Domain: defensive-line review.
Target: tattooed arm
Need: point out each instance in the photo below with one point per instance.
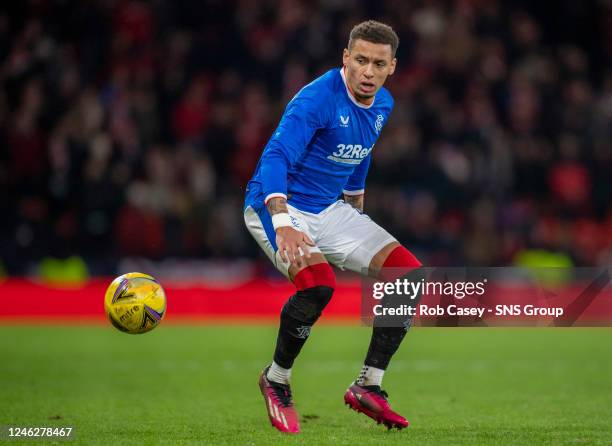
(355, 200)
(277, 205)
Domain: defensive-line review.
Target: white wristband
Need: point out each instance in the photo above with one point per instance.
(280, 220)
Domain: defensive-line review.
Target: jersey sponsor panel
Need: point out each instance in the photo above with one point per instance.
(350, 153)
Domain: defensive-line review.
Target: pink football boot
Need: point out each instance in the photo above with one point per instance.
(279, 403)
(372, 401)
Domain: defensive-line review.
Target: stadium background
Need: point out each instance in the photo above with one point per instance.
(128, 130)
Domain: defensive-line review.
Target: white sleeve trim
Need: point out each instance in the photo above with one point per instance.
(353, 192)
(274, 195)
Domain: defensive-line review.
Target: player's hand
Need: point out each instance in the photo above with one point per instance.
(290, 241)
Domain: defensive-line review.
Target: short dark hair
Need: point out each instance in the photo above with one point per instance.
(374, 32)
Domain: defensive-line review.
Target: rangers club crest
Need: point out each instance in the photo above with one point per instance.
(303, 332)
(379, 123)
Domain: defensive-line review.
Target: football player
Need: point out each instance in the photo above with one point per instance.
(321, 150)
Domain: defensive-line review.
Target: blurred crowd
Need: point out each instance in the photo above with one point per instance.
(130, 128)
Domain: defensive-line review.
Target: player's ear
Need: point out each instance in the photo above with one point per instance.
(345, 56)
(392, 66)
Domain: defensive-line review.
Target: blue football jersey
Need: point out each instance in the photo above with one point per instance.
(322, 146)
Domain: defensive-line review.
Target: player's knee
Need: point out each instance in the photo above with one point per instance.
(400, 262)
(319, 274)
(403, 265)
(315, 286)
(400, 257)
(307, 305)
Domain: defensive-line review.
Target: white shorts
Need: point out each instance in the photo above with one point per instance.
(347, 238)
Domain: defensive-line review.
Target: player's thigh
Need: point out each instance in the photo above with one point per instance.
(351, 239)
(380, 257)
(259, 224)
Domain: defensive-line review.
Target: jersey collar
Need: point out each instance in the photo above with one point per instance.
(349, 94)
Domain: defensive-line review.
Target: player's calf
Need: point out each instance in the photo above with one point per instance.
(315, 287)
(388, 332)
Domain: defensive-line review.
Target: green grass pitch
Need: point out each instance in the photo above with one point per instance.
(198, 385)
